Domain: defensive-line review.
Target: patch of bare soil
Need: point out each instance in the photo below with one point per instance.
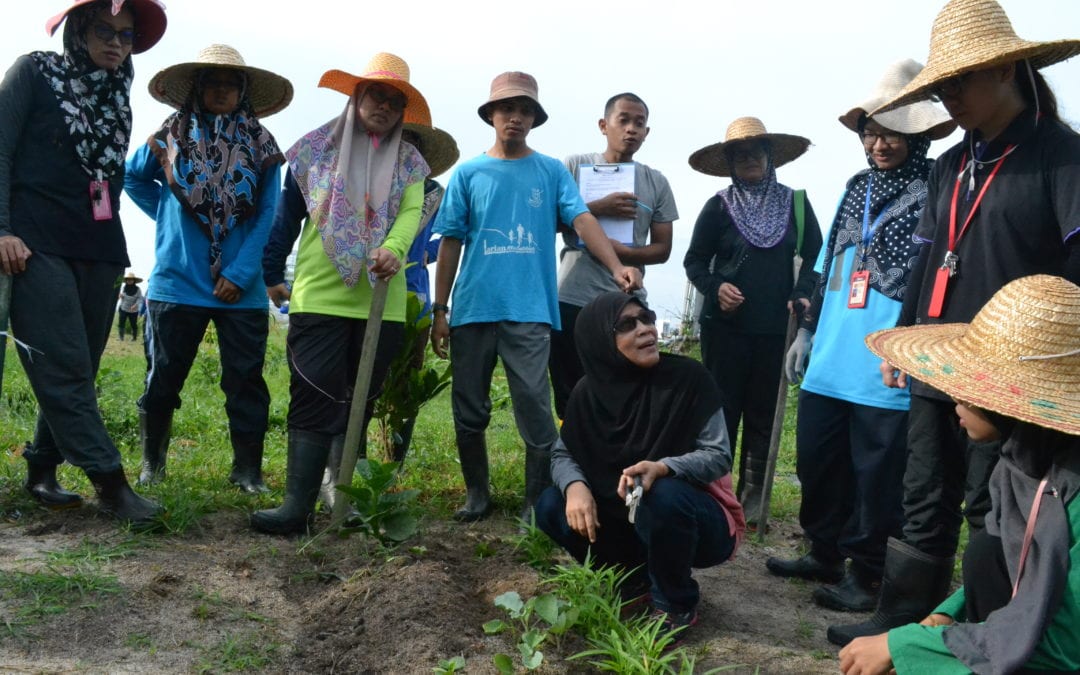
(222, 597)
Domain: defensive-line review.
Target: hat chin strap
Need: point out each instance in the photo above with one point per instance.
(1047, 357)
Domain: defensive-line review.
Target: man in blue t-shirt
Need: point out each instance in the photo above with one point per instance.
(503, 206)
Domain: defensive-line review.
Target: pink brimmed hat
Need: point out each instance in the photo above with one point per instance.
(150, 20)
(388, 69)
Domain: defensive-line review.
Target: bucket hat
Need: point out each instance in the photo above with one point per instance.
(438, 148)
(389, 69)
(513, 84)
(712, 160)
(919, 118)
(973, 35)
(150, 21)
(1019, 356)
(267, 91)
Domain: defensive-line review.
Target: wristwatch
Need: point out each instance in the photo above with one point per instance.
(438, 307)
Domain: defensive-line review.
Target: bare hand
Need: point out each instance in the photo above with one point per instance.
(581, 512)
(937, 620)
(866, 656)
(804, 304)
(278, 294)
(440, 335)
(730, 297)
(891, 376)
(615, 205)
(649, 472)
(384, 264)
(226, 291)
(628, 278)
(13, 255)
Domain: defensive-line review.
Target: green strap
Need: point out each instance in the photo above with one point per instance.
(800, 218)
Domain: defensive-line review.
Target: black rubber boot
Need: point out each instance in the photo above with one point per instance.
(913, 585)
(155, 429)
(246, 471)
(537, 479)
(810, 566)
(42, 485)
(118, 500)
(753, 486)
(306, 463)
(472, 451)
(857, 591)
(401, 441)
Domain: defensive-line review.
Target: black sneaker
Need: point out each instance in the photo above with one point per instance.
(679, 622)
(807, 567)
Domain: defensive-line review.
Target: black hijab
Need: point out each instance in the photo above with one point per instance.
(620, 414)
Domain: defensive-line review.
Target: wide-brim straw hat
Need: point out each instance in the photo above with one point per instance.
(130, 276)
(390, 70)
(514, 84)
(1019, 356)
(150, 21)
(439, 148)
(713, 161)
(920, 118)
(973, 35)
(267, 91)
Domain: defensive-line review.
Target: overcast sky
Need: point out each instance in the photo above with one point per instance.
(797, 65)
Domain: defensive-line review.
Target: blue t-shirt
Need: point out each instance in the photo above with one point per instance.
(505, 212)
(841, 366)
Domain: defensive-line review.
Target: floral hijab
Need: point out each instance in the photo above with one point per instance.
(94, 102)
(353, 183)
(761, 211)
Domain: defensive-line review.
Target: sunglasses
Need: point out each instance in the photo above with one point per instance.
(107, 33)
(627, 324)
(392, 97)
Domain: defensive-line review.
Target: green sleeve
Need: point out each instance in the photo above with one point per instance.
(917, 649)
(953, 606)
(401, 235)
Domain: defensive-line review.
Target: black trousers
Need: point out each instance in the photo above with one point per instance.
(131, 320)
(563, 361)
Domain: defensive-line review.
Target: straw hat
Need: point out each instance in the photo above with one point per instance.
(439, 148)
(268, 92)
(1019, 356)
(973, 35)
(150, 21)
(390, 70)
(512, 85)
(130, 276)
(711, 159)
(922, 117)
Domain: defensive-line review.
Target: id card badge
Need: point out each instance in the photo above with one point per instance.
(860, 283)
(937, 297)
(100, 202)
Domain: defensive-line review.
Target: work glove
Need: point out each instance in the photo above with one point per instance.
(795, 361)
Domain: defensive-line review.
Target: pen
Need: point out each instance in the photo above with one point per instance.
(644, 206)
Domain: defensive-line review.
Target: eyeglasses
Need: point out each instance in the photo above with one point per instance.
(107, 33)
(627, 324)
(951, 88)
(387, 95)
(870, 138)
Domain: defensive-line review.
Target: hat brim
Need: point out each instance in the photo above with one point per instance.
(712, 161)
(268, 92)
(440, 150)
(416, 106)
(541, 114)
(939, 356)
(150, 22)
(137, 280)
(934, 125)
(985, 55)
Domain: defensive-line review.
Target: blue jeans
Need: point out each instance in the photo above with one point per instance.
(678, 527)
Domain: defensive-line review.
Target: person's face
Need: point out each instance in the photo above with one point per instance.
(975, 98)
(635, 335)
(221, 89)
(109, 38)
(750, 161)
(975, 423)
(887, 149)
(512, 118)
(626, 127)
(380, 107)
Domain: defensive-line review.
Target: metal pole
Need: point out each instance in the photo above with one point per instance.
(5, 310)
(777, 434)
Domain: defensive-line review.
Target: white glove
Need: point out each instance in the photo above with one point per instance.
(795, 361)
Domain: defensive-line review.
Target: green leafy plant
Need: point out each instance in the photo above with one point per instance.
(533, 546)
(381, 514)
(450, 666)
(529, 617)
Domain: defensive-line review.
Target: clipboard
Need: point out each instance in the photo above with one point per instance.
(596, 181)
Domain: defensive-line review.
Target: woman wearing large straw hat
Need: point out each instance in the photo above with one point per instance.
(852, 432)
(209, 177)
(740, 259)
(66, 123)
(130, 307)
(1003, 203)
(1013, 373)
(353, 195)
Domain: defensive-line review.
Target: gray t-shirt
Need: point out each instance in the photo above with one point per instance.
(586, 277)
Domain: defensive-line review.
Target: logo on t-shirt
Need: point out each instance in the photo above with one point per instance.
(520, 241)
(536, 199)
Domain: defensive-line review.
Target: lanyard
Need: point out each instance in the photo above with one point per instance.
(869, 230)
(954, 237)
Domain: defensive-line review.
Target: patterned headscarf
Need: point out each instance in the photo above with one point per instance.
(214, 164)
(353, 183)
(93, 101)
(761, 211)
(893, 250)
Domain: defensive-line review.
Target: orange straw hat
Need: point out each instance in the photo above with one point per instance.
(1019, 356)
(389, 69)
(973, 35)
(712, 160)
(268, 92)
(919, 118)
(150, 20)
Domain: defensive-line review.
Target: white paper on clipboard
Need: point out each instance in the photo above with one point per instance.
(596, 181)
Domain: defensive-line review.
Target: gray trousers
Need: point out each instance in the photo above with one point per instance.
(62, 308)
(523, 348)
